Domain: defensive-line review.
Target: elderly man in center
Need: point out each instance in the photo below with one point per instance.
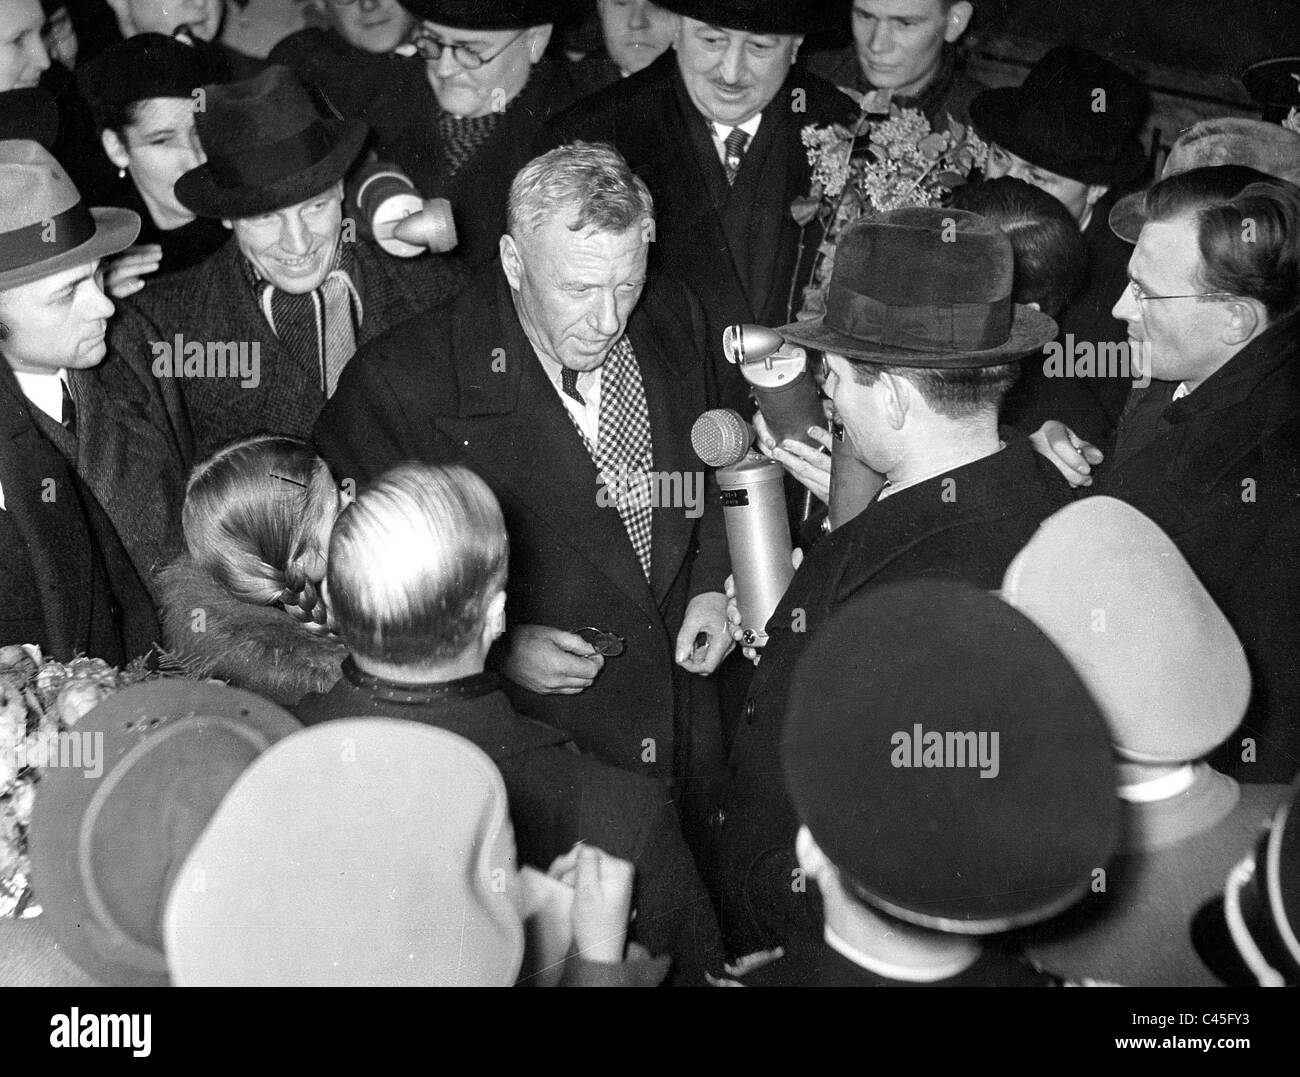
(570, 381)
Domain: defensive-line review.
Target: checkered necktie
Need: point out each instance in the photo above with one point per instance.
(624, 454)
(569, 383)
(734, 148)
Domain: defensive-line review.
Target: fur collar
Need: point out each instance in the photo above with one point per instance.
(260, 648)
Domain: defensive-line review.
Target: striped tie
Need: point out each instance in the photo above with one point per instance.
(734, 147)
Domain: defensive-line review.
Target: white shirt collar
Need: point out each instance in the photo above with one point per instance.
(45, 390)
(1181, 391)
(722, 130)
(891, 488)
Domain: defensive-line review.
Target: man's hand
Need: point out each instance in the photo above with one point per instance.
(123, 272)
(706, 617)
(602, 901)
(1074, 458)
(734, 616)
(551, 661)
(809, 466)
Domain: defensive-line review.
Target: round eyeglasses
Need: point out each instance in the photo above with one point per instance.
(1142, 296)
(432, 48)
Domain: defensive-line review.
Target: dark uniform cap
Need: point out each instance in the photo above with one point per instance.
(980, 835)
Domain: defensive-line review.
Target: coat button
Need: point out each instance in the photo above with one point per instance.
(720, 818)
(749, 711)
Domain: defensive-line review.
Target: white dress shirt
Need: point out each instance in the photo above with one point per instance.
(720, 131)
(45, 390)
(586, 415)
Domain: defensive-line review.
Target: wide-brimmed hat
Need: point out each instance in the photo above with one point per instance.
(1275, 82)
(267, 147)
(1226, 140)
(924, 287)
(1114, 593)
(29, 113)
(360, 852)
(106, 847)
(948, 760)
(140, 68)
(1251, 936)
(45, 227)
(489, 14)
(1076, 114)
(763, 16)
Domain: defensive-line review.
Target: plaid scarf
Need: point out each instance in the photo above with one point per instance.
(460, 137)
(624, 455)
(317, 329)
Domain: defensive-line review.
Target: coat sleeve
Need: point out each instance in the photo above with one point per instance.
(713, 561)
(1265, 610)
(365, 427)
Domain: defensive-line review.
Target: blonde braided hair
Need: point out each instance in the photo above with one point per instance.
(257, 517)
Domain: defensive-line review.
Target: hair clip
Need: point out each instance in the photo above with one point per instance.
(285, 478)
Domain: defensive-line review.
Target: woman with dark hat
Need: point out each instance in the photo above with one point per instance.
(142, 94)
(1071, 128)
(460, 119)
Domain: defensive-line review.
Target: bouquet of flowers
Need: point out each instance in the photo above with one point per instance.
(881, 163)
(39, 700)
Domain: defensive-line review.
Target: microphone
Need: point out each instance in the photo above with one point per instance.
(386, 197)
(779, 373)
(753, 510)
(721, 437)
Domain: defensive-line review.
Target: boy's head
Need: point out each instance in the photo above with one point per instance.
(417, 567)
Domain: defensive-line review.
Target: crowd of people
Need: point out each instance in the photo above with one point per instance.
(432, 677)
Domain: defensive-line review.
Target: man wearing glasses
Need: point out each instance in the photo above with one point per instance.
(1211, 449)
(460, 115)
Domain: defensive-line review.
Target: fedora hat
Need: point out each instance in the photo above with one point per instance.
(929, 715)
(1166, 668)
(362, 851)
(1076, 114)
(1225, 141)
(762, 16)
(267, 147)
(924, 287)
(489, 14)
(106, 847)
(45, 227)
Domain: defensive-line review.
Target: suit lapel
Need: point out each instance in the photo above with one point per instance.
(28, 462)
(671, 409)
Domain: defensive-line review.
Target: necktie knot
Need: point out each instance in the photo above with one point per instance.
(734, 147)
(69, 420)
(569, 382)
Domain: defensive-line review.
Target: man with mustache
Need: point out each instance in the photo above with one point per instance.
(713, 128)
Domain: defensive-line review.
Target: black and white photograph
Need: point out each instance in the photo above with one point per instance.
(602, 493)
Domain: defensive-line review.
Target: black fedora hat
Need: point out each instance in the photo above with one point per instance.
(762, 16)
(267, 147)
(1076, 114)
(948, 760)
(137, 69)
(489, 14)
(924, 287)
